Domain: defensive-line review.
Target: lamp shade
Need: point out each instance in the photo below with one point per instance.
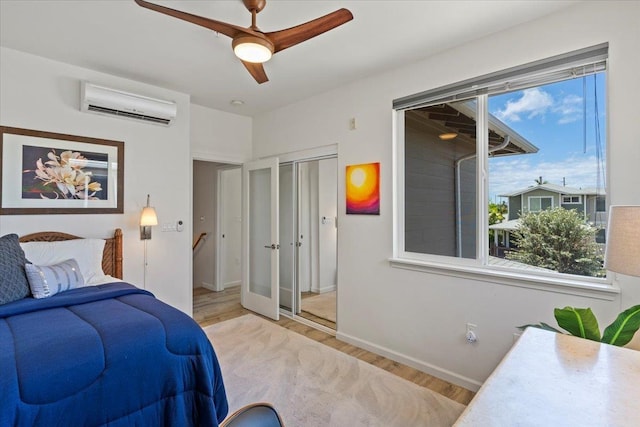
(623, 240)
(148, 217)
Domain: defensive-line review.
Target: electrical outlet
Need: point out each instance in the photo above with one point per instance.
(471, 335)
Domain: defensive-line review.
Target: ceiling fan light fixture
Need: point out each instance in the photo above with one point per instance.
(447, 136)
(252, 49)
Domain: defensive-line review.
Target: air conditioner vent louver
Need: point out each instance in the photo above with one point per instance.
(112, 102)
(137, 116)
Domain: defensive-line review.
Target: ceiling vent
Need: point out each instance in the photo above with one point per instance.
(113, 102)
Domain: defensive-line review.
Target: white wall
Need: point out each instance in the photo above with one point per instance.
(417, 317)
(220, 136)
(37, 93)
(205, 182)
(231, 227)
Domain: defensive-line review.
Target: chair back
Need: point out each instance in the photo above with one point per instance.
(254, 415)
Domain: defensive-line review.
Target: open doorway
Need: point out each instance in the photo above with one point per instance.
(216, 226)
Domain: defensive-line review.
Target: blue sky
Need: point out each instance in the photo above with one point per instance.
(551, 118)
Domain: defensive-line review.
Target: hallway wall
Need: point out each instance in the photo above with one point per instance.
(205, 181)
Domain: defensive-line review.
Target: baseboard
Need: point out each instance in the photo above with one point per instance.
(324, 290)
(436, 371)
(209, 286)
(232, 284)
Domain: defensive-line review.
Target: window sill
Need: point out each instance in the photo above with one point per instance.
(602, 291)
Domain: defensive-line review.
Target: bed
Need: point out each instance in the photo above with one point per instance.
(103, 354)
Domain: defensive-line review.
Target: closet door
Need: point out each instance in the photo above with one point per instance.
(261, 246)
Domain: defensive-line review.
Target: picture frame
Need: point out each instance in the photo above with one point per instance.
(53, 173)
(362, 191)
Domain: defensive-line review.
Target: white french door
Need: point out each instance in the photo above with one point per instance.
(260, 244)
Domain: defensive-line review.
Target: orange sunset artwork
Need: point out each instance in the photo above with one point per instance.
(363, 189)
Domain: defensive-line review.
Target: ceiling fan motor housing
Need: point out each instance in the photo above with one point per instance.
(256, 5)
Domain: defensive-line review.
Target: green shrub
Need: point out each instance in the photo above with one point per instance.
(558, 239)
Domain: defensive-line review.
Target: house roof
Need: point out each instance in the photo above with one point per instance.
(506, 225)
(560, 189)
(459, 117)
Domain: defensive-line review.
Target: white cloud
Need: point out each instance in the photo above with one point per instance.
(510, 174)
(534, 102)
(569, 108)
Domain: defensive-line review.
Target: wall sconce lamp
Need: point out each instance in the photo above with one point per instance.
(623, 240)
(148, 218)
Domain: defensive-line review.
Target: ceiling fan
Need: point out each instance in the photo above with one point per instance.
(250, 44)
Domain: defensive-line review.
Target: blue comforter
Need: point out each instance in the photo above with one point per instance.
(106, 355)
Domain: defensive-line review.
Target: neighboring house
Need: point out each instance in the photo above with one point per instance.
(589, 202)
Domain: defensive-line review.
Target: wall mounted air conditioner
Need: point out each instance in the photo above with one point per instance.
(113, 102)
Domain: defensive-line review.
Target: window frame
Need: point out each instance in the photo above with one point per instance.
(478, 268)
(571, 202)
(529, 198)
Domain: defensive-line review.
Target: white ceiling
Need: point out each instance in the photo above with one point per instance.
(120, 38)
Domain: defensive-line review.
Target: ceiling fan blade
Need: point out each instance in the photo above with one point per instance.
(218, 26)
(257, 71)
(292, 36)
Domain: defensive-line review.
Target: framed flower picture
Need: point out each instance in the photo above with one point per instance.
(53, 173)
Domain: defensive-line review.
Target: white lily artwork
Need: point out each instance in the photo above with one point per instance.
(64, 176)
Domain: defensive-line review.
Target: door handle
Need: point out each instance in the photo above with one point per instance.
(272, 246)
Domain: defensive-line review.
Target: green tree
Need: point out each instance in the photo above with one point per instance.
(558, 239)
(497, 212)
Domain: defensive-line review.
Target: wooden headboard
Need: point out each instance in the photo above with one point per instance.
(111, 257)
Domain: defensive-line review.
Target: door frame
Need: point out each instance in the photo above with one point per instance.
(230, 162)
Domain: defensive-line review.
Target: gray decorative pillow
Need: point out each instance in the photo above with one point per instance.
(48, 280)
(13, 281)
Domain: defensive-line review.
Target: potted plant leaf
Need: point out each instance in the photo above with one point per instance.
(581, 322)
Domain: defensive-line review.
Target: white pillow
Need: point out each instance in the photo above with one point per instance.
(87, 252)
(49, 280)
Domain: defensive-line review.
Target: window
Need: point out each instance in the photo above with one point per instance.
(476, 158)
(540, 203)
(571, 200)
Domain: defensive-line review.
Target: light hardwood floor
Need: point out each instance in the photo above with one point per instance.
(212, 307)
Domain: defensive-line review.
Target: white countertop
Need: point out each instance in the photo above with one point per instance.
(550, 379)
